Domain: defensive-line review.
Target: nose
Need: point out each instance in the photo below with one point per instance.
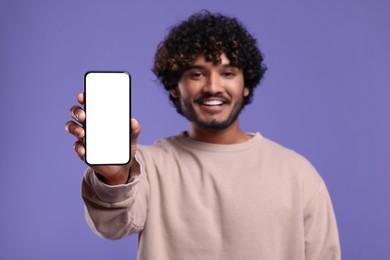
(213, 83)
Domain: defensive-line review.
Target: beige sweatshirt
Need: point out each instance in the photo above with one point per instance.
(193, 200)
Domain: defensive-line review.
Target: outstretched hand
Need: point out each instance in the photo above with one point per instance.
(111, 174)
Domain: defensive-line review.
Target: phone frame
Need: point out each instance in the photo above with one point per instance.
(85, 139)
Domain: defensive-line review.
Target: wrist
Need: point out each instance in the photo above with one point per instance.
(117, 179)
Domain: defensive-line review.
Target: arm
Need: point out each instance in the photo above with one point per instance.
(321, 235)
(114, 195)
(115, 211)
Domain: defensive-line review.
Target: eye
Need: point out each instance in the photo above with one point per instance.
(195, 74)
(228, 74)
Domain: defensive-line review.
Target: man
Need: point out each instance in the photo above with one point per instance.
(214, 191)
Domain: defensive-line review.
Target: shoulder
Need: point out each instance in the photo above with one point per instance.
(290, 162)
(280, 154)
(292, 168)
(163, 148)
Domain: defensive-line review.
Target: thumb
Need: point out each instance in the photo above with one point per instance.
(135, 131)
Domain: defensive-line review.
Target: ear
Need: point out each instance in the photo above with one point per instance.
(175, 92)
(246, 91)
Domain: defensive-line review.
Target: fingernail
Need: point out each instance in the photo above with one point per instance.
(76, 116)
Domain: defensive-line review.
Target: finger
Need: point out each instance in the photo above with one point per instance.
(74, 129)
(80, 98)
(78, 147)
(77, 113)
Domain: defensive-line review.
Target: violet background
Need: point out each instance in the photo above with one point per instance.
(326, 95)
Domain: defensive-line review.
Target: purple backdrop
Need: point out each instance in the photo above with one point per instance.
(326, 94)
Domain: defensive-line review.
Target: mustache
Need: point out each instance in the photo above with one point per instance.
(206, 96)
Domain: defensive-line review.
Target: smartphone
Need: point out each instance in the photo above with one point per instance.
(107, 105)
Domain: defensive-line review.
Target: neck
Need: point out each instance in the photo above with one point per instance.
(230, 135)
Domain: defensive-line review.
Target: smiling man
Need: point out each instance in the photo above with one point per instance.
(211, 98)
(214, 191)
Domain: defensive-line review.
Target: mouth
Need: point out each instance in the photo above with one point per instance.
(210, 103)
(213, 105)
(213, 101)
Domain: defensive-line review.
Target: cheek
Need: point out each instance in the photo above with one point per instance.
(184, 95)
(186, 92)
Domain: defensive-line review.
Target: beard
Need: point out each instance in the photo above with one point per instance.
(187, 110)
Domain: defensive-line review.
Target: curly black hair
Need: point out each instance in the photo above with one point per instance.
(210, 34)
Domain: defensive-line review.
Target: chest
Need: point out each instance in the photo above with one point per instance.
(225, 188)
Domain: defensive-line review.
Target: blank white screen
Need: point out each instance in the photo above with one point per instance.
(107, 107)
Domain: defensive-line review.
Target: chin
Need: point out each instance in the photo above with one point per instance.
(214, 124)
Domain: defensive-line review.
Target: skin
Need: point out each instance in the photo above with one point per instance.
(112, 174)
(206, 82)
(211, 99)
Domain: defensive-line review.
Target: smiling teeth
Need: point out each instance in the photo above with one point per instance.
(213, 103)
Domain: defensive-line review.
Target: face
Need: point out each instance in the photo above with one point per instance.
(211, 96)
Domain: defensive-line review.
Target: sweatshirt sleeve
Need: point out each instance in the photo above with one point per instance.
(321, 235)
(113, 212)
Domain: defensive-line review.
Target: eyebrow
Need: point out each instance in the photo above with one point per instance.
(202, 67)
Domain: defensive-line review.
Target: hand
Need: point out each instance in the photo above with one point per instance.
(112, 174)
